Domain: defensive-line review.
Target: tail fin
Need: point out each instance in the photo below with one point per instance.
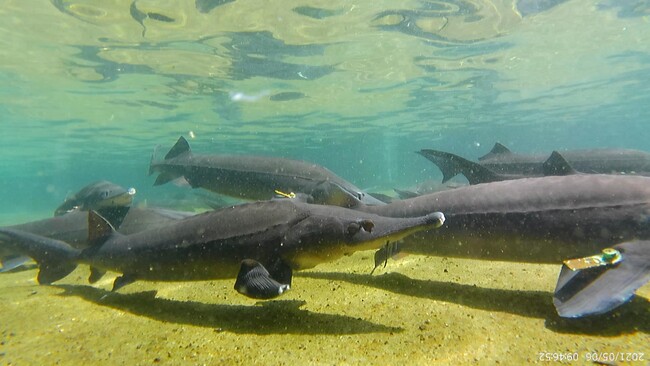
(55, 258)
(180, 147)
(452, 165)
(152, 161)
(599, 289)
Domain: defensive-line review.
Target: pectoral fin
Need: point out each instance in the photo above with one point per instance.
(389, 250)
(13, 262)
(255, 281)
(122, 281)
(599, 289)
(164, 178)
(281, 272)
(51, 271)
(95, 274)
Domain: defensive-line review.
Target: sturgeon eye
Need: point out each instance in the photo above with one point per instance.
(355, 227)
(104, 194)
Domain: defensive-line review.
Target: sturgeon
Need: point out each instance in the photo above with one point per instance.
(258, 243)
(257, 177)
(537, 220)
(502, 164)
(95, 196)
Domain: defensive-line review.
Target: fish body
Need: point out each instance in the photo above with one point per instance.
(543, 220)
(280, 235)
(502, 164)
(257, 177)
(590, 161)
(539, 220)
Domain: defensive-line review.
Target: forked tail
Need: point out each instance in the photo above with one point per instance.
(451, 165)
(180, 148)
(56, 259)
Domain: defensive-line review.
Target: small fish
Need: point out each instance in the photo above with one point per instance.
(95, 196)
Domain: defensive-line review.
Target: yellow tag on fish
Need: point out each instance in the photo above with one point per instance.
(287, 195)
(609, 256)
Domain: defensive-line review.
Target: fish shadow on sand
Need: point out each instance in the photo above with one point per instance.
(271, 317)
(629, 318)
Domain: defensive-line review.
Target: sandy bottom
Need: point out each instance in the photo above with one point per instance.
(419, 310)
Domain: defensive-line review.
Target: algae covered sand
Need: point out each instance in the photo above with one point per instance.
(419, 310)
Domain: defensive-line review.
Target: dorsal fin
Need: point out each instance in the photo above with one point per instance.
(500, 148)
(497, 149)
(556, 164)
(114, 215)
(450, 165)
(181, 147)
(404, 194)
(99, 229)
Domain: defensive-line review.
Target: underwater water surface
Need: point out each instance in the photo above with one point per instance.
(88, 90)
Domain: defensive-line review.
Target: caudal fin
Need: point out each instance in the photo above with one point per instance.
(56, 259)
(452, 165)
(598, 289)
(180, 147)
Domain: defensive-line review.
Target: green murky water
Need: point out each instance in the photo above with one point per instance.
(88, 89)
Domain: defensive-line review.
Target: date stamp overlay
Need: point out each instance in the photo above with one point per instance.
(604, 358)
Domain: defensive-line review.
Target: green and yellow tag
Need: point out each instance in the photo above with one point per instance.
(608, 257)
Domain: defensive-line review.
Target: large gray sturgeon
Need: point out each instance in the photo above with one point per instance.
(539, 220)
(502, 164)
(259, 243)
(257, 177)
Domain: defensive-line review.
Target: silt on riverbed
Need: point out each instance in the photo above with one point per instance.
(420, 310)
